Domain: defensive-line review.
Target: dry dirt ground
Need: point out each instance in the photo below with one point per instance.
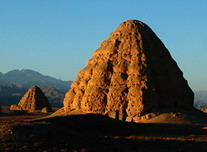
(92, 132)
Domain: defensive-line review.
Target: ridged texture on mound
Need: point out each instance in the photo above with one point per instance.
(133, 73)
(33, 100)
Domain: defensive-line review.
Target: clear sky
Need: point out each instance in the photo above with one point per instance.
(57, 37)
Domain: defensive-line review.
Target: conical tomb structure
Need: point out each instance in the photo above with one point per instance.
(33, 100)
(132, 74)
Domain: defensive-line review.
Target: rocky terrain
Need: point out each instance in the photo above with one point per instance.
(94, 132)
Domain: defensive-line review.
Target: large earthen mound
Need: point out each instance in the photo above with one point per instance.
(130, 75)
(33, 100)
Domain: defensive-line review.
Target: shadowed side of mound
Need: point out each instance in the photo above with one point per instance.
(96, 131)
(102, 125)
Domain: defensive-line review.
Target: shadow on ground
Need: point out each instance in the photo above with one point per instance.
(93, 132)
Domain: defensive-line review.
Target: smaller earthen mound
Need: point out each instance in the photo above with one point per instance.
(33, 101)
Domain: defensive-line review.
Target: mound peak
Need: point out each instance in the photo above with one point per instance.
(130, 26)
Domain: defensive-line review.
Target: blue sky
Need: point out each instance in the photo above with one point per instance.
(57, 37)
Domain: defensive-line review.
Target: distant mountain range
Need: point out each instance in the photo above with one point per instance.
(201, 99)
(27, 78)
(54, 95)
(11, 94)
(14, 84)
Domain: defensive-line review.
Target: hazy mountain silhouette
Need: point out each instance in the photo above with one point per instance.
(27, 78)
(54, 95)
(200, 100)
(201, 96)
(11, 94)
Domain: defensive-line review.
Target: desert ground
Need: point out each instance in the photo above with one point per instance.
(93, 132)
